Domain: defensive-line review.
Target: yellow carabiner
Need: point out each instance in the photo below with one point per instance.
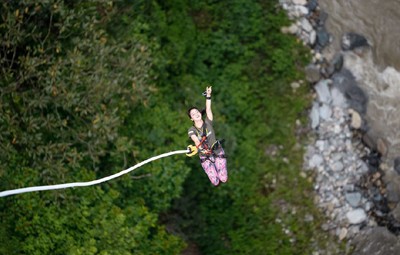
(192, 150)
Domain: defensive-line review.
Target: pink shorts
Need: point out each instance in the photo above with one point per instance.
(215, 167)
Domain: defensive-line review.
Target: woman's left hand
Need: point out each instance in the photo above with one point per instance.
(208, 91)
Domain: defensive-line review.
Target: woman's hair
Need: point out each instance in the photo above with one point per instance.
(194, 107)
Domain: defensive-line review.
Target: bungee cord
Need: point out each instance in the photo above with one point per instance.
(89, 183)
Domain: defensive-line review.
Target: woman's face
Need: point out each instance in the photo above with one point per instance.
(195, 114)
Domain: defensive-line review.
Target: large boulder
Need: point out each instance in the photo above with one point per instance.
(347, 84)
(350, 41)
(376, 241)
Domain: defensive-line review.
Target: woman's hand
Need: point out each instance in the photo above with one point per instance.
(208, 103)
(208, 91)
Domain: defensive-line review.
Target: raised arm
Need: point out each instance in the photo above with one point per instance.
(208, 103)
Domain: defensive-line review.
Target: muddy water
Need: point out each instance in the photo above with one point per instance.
(377, 71)
(377, 20)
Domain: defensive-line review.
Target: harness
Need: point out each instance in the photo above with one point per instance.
(208, 151)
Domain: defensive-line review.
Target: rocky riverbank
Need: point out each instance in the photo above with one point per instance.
(357, 192)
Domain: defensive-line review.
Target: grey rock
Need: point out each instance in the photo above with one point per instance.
(347, 84)
(337, 156)
(368, 140)
(354, 199)
(308, 218)
(321, 145)
(312, 5)
(356, 216)
(344, 79)
(396, 212)
(349, 187)
(337, 62)
(363, 168)
(312, 38)
(368, 206)
(299, 2)
(393, 190)
(376, 241)
(389, 176)
(306, 25)
(377, 197)
(338, 98)
(342, 233)
(357, 99)
(323, 92)
(298, 11)
(314, 115)
(337, 166)
(353, 230)
(382, 147)
(312, 73)
(316, 160)
(328, 71)
(281, 2)
(351, 41)
(322, 17)
(325, 227)
(295, 85)
(292, 29)
(323, 37)
(325, 112)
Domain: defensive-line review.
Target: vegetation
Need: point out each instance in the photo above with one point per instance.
(90, 88)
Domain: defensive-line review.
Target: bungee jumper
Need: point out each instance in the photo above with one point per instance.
(212, 155)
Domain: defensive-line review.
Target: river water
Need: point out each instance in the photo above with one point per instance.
(378, 70)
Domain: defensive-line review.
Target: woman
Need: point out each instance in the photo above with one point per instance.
(212, 155)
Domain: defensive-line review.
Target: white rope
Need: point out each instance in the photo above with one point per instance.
(83, 184)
